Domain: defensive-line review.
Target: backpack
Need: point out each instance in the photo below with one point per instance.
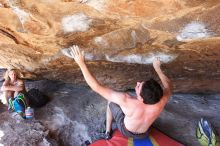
(18, 104)
(205, 133)
(36, 98)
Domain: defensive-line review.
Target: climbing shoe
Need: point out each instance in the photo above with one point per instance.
(105, 136)
(205, 133)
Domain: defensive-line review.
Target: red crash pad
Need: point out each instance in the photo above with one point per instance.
(155, 138)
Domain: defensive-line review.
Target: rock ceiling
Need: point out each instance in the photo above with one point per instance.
(120, 38)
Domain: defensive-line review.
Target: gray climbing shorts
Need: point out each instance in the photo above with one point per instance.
(119, 116)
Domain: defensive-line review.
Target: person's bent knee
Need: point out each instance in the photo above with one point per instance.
(4, 98)
(6, 95)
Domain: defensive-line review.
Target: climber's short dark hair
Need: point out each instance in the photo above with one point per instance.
(151, 92)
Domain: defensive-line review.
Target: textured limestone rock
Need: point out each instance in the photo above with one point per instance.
(120, 39)
(14, 131)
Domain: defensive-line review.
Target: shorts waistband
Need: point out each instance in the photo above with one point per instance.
(135, 133)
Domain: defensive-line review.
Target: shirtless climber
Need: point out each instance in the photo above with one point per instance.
(133, 114)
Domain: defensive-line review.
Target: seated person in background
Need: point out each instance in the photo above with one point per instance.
(12, 85)
(133, 114)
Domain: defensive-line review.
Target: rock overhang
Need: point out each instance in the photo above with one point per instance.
(120, 40)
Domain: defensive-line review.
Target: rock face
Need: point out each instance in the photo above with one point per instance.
(120, 39)
(14, 131)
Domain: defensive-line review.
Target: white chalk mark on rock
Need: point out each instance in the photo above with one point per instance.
(194, 30)
(83, 1)
(101, 41)
(131, 58)
(134, 37)
(88, 56)
(76, 23)
(187, 68)
(142, 59)
(59, 120)
(99, 5)
(66, 52)
(22, 15)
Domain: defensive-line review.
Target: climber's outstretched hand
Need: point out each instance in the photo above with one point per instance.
(77, 54)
